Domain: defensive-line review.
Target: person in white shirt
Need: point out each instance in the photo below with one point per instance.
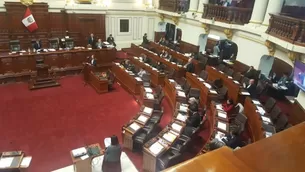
(141, 73)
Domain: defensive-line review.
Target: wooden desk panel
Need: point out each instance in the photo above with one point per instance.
(99, 85)
(254, 122)
(127, 81)
(170, 92)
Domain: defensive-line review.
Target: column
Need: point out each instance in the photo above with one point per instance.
(193, 5)
(258, 12)
(274, 6)
(200, 5)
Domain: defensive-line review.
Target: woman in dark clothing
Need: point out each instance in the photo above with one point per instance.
(112, 156)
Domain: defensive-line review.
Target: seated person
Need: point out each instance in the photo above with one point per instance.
(146, 59)
(192, 122)
(218, 83)
(127, 65)
(190, 66)
(162, 53)
(250, 73)
(251, 88)
(141, 73)
(228, 107)
(233, 139)
(92, 61)
(283, 80)
(171, 58)
(145, 40)
(112, 156)
(99, 44)
(162, 41)
(110, 40)
(160, 66)
(193, 104)
(37, 45)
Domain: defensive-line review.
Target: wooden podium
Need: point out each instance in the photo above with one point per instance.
(14, 161)
(84, 165)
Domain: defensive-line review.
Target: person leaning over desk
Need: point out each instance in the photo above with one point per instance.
(112, 156)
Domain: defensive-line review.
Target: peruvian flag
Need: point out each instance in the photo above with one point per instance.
(29, 21)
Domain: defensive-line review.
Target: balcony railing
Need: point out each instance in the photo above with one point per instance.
(174, 5)
(233, 15)
(287, 28)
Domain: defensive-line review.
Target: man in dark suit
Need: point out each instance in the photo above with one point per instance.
(146, 59)
(251, 88)
(145, 40)
(232, 140)
(37, 45)
(92, 41)
(250, 73)
(110, 40)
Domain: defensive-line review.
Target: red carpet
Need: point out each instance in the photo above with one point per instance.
(48, 123)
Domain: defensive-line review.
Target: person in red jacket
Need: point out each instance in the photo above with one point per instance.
(228, 107)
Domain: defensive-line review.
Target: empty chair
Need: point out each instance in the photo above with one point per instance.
(221, 67)
(237, 76)
(146, 80)
(170, 74)
(281, 122)
(15, 45)
(169, 158)
(270, 103)
(245, 80)
(260, 88)
(54, 43)
(141, 137)
(158, 101)
(229, 71)
(194, 92)
(203, 75)
(156, 117)
(182, 81)
(222, 93)
(186, 88)
(239, 123)
(181, 144)
(275, 113)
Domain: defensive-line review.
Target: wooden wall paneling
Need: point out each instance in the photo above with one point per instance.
(296, 114)
(7, 65)
(53, 61)
(57, 25)
(4, 36)
(186, 47)
(280, 67)
(159, 35)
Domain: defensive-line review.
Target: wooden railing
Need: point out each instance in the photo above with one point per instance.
(174, 5)
(232, 15)
(287, 28)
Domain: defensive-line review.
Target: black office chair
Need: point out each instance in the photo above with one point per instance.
(158, 102)
(203, 75)
(169, 158)
(181, 144)
(270, 103)
(194, 92)
(275, 113)
(141, 137)
(146, 80)
(221, 67)
(237, 76)
(222, 93)
(281, 123)
(186, 88)
(156, 117)
(238, 123)
(229, 71)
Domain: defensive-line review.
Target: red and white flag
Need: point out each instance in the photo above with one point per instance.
(29, 21)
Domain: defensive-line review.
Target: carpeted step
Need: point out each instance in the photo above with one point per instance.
(47, 85)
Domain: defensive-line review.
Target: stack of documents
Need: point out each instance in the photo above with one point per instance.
(176, 127)
(219, 135)
(134, 126)
(79, 152)
(156, 148)
(230, 77)
(236, 82)
(148, 90)
(147, 110)
(245, 93)
(183, 108)
(207, 85)
(135, 57)
(169, 136)
(222, 126)
(117, 64)
(213, 91)
(181, 94)
(266, 119)
(268, 134)
(200, 79)
(150, 96)
(138, 78)
(181, 117)
(143, 118)
(222, 114)
(171, 80)
(178, 87)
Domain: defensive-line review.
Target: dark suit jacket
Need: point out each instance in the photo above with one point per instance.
(194, 120)
(110, 40)
(193, 107)
(252, 91)
(145, 40)
(251, 74)
(190, 68)
(233, 142)
(146, 60)
(37, 46)
(92, 42)
(93, 63)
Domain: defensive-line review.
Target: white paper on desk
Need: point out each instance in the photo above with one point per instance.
(176, 127)
(219, 107)
(207, 85)
(236, 82)
(173, 63)
(175, 133)
(221, 72)
(142, 118)
(283, 88)
(183, 108)
(171, 80)
(256, 102)
(222, 114)
(245, 93)
(117, 64)
(146, 64)
(274, 84)
(261, 110)
(154, 68)
(181, 117)
(79, 151)
(194, 74)
(266, 119)
(178, 87)
(138, 78)
(230, 77)
(150, 96)
(6, 162)
(200, 79)
(26, 162)
(84, 157)
(185, 105)
(148, 90)
(219, 135)
(147, 110)
(169, 136)
(135, 57)
(222, 126)
(268, 134)
(107, 141)
(213, 91)
(156, 148)
(134, 126)
(181, 94)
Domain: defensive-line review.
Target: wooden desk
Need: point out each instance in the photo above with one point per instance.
(98, 82)
(128, 131)
(18, 161)
(144, 100)
(179, 69)
(127, 81)
(18, 67)
(157, 78)
(171, 93)
(205, 94)
(85, 165)
(149, 157)
(176, 55)
(233, 88)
